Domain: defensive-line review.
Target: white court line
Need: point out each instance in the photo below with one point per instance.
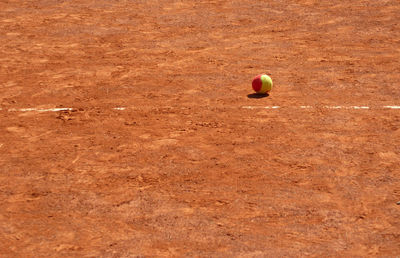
(361, 107)
(333, 107)
(37, 109)
(272, 107)
(244, 107)
(263, 107)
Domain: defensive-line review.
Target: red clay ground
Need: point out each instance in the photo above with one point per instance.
(185, 170)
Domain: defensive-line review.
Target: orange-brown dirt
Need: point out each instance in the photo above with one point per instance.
(185, 170)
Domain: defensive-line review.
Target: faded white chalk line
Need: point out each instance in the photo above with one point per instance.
(37, 109)
(392, 107)
(243, 107)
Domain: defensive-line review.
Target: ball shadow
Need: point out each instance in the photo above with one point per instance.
(257, 95)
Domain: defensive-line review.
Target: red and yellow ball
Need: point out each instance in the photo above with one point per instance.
(262, 84)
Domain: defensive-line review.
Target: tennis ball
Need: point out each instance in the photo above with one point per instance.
(262, 83)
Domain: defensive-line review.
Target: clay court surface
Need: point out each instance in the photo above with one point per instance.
(190, 165)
